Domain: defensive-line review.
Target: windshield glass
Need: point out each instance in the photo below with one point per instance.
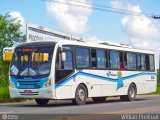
(31, 61)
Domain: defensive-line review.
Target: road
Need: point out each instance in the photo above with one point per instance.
(58, 110)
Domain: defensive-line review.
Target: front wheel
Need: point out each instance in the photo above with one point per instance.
(42, 102)
(80, 95)
(132, 92)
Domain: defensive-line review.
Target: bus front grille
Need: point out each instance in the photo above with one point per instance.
(29, 84)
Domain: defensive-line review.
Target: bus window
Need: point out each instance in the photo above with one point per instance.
(130, 61)
(138, 61)
(101, 59)
(147, 62)
(93, 58)
(114, 60)
(82, 57)
(67, 64)
(143, 62)
(151, 62)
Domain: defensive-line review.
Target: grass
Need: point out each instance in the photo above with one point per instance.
(158, 89)
(4, 92)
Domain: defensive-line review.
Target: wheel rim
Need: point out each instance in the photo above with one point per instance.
(132, 92)
(81, 94)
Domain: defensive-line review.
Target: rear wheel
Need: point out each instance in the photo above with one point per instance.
(42, 102)
(99, 99)
(80, 95)
(132, 92)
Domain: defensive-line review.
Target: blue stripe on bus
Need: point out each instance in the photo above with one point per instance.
(98, 77)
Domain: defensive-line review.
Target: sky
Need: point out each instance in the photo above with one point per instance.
(137, 30)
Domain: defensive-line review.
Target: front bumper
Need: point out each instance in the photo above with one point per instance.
(43, 93)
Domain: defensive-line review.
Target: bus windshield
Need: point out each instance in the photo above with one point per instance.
(31, 61)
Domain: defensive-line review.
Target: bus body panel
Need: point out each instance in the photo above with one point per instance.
(98, 84)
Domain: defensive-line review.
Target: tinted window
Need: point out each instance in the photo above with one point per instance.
(151, 62)
(82, 57)
(143, 62)
(131, 61)
(68, 63)
(139, 62)
(101, 59)
(114, 59)
(93, 58)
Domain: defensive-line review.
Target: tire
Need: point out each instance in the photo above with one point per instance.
(42, 102)
(99, 99)
(132, 92)
(80, 95)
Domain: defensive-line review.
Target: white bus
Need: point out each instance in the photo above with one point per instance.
(80, 70)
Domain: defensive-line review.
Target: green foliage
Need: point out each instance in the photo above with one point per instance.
(4, 68)
(4, 89)
(158, 75)
(10, 32)
(4, 93)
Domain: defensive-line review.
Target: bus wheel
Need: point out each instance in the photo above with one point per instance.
(99, 99)
(42, 102)
(132, 92)
(80, 95)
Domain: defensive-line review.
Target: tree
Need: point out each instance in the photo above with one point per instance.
(10, 32)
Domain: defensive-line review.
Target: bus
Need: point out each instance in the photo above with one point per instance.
(77, 70)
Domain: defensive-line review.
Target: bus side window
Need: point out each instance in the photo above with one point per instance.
(125, 61)
(93, 58)
(121, 63)
(138, 61)
(114, 59)
(101, 58)
(147, 62)
(151, 62)
(82, 57)
(143, 62)
(68, 63)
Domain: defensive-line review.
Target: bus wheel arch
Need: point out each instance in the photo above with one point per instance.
(81, 94)
(131, 93)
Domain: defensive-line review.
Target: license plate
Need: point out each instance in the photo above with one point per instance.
(27, 91)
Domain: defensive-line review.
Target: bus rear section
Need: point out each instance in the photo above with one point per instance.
(30, 71)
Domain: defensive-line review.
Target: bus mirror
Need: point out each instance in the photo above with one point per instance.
(63, 56)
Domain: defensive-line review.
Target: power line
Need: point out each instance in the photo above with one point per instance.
(99, 7)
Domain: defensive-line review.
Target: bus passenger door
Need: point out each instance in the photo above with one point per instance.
(64, 68)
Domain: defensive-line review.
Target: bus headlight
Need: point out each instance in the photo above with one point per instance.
(48, 83)
(11, 84)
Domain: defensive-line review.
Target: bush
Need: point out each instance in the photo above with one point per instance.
(4, 70)
(4, 87)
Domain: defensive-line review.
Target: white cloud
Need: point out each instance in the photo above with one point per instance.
(19, 17)
(118, 4)
(71, 19)
(143, 32)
